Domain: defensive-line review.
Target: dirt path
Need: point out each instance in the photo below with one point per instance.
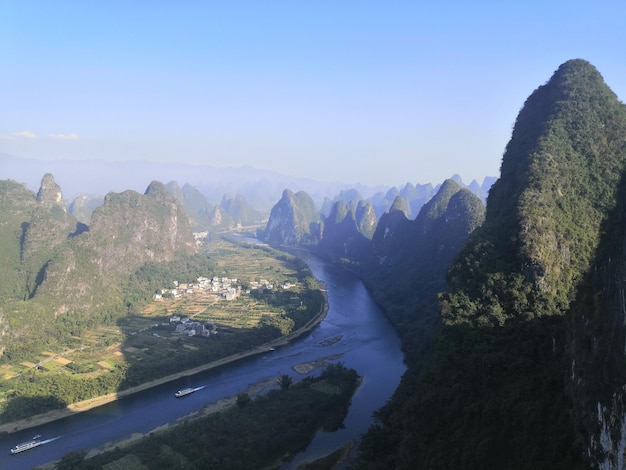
(78, 407)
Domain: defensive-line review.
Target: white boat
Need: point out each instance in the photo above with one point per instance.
(34, 442)
(186, 391)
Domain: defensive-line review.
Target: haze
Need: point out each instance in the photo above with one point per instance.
(369, 92)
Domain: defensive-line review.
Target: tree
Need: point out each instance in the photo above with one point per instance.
(285, 381)
(243, 399)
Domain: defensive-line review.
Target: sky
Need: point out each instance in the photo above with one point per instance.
(350, 91)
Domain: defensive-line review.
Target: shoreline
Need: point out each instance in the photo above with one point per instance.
(210, 408)
(91, 403)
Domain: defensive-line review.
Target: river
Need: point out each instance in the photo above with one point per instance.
(355, 332)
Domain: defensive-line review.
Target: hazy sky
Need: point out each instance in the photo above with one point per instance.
(383, 92)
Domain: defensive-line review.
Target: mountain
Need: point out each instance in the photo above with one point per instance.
(398, 239)
(17, 203)
(83, 205)
(131, 229)
(346, 196)
(240, 211)
(482, 190)
(293, 221)
(407, 261)
(402, 261)
(55, 267)
(347, 230)
(596, 339)
(259, 186)
(527, 372)
(416, 196)
(49, 226)
(197, 207)
(230, 213)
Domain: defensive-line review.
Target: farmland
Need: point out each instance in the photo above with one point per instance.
(275, 294)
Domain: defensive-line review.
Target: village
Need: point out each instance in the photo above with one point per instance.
(210, 290)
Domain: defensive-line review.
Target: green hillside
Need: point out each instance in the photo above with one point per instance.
(497, 395)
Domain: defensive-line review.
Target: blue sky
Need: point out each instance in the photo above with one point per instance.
(351, 91)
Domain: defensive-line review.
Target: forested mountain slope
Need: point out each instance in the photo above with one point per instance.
(499, 394)
(293, 221)
(347, 231)
(407, 261)
(59, 272)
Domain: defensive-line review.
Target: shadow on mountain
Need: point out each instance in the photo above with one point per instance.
(494, 396)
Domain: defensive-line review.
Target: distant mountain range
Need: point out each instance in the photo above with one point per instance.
(99, 177)
(85, 182)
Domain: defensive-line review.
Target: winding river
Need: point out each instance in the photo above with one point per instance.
(355, 332)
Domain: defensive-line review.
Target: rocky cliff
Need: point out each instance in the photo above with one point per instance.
(131, 229)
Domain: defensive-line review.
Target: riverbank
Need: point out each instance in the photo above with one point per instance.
(220, 405)
(86, 405)
(253, 390)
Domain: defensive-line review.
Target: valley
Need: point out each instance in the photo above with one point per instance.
(145, 346)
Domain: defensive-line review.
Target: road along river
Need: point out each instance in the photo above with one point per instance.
(355, 332)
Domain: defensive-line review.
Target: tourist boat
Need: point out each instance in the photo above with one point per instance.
(184, 392)
(34, 442)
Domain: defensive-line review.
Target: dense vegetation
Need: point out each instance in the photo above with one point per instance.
(37, 380)
(258, 432)
(497, 394)
(294, 220)
(407, 265)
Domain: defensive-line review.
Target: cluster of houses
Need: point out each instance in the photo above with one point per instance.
(220, 287)
(223, 288)
(184, 326)
(265, 284)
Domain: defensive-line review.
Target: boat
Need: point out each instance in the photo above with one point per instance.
(186, 391)
(34, 442)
